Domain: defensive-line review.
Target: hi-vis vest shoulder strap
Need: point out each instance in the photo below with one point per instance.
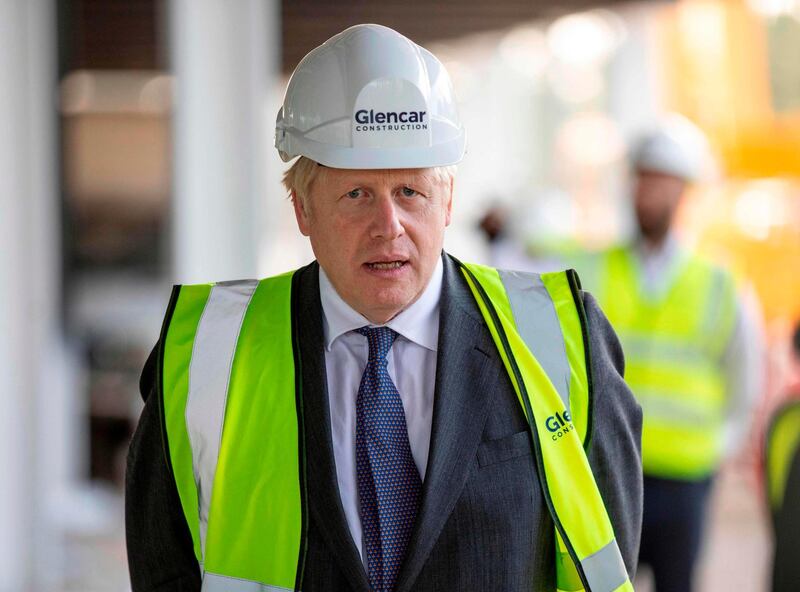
(239, 459)
(222, 344)
(551, 378)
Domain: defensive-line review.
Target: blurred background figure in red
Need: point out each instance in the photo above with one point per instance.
(782, 478)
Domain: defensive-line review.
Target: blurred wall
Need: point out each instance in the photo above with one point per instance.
(34, 451)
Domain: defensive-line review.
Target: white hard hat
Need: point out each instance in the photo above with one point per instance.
(677, 147)
(370, 98)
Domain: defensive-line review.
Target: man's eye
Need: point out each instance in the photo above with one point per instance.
(408, 192)
(355, 193)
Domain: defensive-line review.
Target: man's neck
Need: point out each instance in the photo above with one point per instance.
(419, 321)
(655, 243)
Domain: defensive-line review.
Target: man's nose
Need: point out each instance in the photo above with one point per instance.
(386, 219)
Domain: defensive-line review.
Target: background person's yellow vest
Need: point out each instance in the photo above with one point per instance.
(674, 344)
(232, 400)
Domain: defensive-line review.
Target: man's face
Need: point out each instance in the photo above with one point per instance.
(377, 233)
(656, 198)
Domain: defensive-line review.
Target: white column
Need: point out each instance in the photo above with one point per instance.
(29, 284)
(223, 60)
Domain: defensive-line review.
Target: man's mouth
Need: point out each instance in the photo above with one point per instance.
(387, 268)
(381, 265)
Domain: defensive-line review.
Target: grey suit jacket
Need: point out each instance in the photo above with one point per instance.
(483, 523)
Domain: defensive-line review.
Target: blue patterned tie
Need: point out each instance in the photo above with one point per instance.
(388, 480)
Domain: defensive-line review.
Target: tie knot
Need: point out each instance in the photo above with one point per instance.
(380, 340)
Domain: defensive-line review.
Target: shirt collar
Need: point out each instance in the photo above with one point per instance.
(418, 323)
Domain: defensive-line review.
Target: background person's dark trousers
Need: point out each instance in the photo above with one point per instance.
(672, 530)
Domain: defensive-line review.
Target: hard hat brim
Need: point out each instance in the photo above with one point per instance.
(444, 154)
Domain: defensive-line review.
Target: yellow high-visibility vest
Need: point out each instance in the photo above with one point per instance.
(234, 420)
(674, 344)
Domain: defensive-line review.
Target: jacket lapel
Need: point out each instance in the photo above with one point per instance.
(467, 371)
(323, 498)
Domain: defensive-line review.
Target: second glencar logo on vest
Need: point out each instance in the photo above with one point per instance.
(559, 424)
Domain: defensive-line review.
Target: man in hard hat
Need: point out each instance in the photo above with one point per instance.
(692, 350)
(387, 417)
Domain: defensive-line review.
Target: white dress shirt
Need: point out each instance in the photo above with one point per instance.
(412, 367)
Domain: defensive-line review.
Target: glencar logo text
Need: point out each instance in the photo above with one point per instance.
(370, 121)
(559, 424)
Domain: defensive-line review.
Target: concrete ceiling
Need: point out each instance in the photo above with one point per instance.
(131, 34)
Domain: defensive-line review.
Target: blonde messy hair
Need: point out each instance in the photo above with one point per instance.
(299, 177)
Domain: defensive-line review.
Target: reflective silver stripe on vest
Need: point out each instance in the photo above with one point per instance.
(665, 407)
(604, 569)
(217, 583)
(648, 347)
(715, 308)
(209, 371)
(537, 322)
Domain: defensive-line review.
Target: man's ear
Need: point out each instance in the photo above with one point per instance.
(449, 204)
(301, 213)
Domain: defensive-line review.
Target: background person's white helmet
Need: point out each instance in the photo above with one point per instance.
(677, 148)
(370, 98)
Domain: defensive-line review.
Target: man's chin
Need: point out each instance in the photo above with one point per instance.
(382, 305)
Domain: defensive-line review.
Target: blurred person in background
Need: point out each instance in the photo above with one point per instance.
(389, 412)
(506, 252)
(692, 345)
(782, 479)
